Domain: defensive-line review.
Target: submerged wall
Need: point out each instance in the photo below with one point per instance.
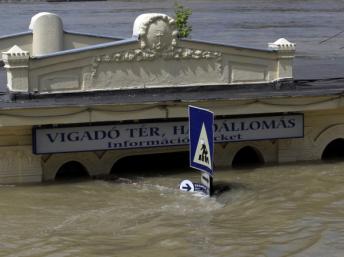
(19, 165)
(152, 75)
(17, 162)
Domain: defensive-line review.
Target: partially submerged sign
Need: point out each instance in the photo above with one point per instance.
(201, 125)
(201, 134)
(207, 182)
(188, 186)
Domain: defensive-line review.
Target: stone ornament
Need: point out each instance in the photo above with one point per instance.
(157, 34)
(15, 57)
(282, 45)
(137, 55)
(156, 31)
(140, 55)
(16, 62)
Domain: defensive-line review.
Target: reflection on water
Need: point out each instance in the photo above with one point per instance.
(289, 210)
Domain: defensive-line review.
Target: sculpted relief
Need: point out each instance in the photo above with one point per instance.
(138, 55)
(153, 57)
(158, 61)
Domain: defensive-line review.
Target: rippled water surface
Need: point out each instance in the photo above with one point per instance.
(252, 23)
(289, 210)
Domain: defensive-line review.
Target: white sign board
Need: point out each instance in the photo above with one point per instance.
(187, 186)
(157, 134)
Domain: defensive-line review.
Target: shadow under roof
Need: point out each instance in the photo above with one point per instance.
(299, 88)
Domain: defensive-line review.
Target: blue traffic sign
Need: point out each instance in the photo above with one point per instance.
(201, 134)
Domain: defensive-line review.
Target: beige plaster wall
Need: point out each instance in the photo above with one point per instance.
(98, 162)
(19, 165)
(225, 153)
(17, 162)
(77, 40)
(23, 40)
(321, 127)
(157, 110)
(70, 41)
(128, 66)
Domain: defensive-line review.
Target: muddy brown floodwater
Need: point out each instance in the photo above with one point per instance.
(274, 211)
(288, 210)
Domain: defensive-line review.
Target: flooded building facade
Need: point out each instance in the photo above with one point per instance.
(71, 98)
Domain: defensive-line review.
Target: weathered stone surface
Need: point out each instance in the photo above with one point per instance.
(17, 64)
(47, 29)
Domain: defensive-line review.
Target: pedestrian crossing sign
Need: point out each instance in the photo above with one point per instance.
(201, 134)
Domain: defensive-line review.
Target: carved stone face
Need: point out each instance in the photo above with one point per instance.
(159, 35)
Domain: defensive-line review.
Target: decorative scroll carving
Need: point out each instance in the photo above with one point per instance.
(137, 55)
(141, 55)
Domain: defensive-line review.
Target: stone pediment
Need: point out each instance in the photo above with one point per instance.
(153, 57)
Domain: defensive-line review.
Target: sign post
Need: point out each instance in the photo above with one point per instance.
(201, 134)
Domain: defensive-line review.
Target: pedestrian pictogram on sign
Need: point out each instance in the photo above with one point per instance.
(202, 155)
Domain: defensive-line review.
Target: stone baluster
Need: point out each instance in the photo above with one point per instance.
(16, 63)
(286, 54)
